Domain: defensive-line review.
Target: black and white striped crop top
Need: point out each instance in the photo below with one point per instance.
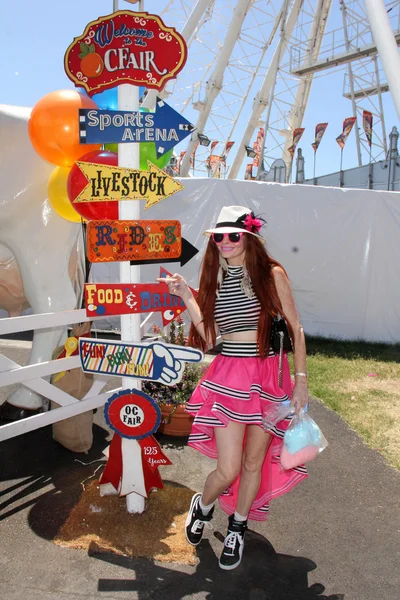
(234, 311)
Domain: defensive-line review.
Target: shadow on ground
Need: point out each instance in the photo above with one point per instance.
(353, 349)
(263, 575)
(37, 472)
(40, 475)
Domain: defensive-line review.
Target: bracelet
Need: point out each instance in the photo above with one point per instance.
(299, 374)
(195, 326)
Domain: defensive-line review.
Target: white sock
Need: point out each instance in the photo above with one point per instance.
(205, 508)
(237, 517)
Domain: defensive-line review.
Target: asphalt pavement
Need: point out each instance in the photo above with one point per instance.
(334, 537)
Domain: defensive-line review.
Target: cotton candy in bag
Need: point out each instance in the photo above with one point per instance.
(302, 442)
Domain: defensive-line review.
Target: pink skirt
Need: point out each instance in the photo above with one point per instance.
(236, 388)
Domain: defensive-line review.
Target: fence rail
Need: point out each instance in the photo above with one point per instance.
(31, 376)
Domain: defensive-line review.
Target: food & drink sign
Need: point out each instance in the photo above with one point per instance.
(125, 47)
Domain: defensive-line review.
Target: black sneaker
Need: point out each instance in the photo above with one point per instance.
(233, 544)
(195, 521)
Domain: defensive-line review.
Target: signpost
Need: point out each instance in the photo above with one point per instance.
(125, 47)
(144, 242)
(166, 127)
(122, 49)
(106, 183)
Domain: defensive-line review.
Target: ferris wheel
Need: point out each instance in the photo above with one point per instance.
(249, 75)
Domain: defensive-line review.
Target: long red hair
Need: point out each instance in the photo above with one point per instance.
(259, 265)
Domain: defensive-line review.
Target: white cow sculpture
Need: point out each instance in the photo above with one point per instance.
(41, 241)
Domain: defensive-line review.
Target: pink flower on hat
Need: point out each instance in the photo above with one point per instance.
(252, 223)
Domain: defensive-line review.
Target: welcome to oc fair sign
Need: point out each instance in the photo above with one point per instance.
(125, 47)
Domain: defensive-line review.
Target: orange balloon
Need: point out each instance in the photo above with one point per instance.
(54, 127)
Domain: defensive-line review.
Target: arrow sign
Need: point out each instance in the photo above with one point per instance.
(142, 242)
(108, 299)
(188, 251)
(166, 127)
(154, 361)
(107, 183)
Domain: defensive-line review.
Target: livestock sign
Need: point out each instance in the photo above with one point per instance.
(107, 183)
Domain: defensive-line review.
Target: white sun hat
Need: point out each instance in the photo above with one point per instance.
(237, 218)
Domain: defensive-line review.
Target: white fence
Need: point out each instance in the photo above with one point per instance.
(31, 376)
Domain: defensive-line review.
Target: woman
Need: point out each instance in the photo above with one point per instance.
(241, 289)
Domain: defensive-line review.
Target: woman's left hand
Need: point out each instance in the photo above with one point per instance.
(299, 396)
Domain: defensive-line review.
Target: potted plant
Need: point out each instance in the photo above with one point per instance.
(172, 399)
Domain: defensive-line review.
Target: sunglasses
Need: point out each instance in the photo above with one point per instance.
(234, 237)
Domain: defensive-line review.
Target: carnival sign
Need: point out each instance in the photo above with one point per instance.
(110, 299)
(125, 47)
(106, 183)
(143, 242)
(166, 127)
(133, 416)
(154, 361)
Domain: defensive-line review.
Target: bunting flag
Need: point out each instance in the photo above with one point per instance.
(182, 154)
(258, 145)
(225, 153)
(319, 132)
(180, 159)
(193, 153)
(210, 160)
(367, 124)
(347, 127)
(297, 133)
(213, 144)
(249, 171)
(228, 147)
(213, 164)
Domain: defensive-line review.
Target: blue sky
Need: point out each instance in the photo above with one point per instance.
(35, 35)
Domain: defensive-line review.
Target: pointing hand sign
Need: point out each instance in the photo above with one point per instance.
(154, 361)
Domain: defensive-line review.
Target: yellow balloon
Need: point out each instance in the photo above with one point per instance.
(58, 195)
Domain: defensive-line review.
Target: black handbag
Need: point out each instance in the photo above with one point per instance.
(280, 341)
(280, 337)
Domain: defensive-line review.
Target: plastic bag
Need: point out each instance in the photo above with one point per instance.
(302, 442)
(275, 413)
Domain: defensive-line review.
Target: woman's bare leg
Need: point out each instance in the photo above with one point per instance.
(257, 442)
(229, 441)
